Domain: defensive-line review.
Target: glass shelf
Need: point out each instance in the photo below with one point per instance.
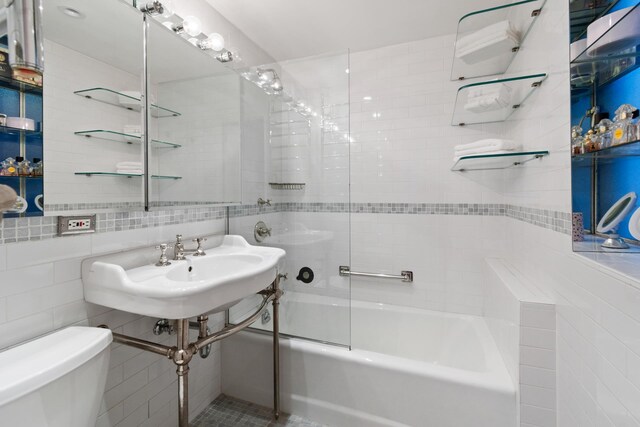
(125, 138)
(629, 149)
(477, 60)
(126, 175)
(508, 94)
(29, 134)
(584, 12)
(21, 177)
(121, 100)
(603, 62)
(496, 161)
(9, 83)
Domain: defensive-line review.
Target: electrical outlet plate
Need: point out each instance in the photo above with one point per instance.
(71, 225)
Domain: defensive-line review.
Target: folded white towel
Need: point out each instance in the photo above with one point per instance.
(486, 32)
(456, 158)
(492, 98)
(124, 165)
(130, 171)
(8, 198)
(482, 151)
(486, 43)
(500, 144)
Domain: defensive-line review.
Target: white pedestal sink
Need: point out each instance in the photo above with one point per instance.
(184, 289)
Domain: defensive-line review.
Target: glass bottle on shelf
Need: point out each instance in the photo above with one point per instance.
(604, 133)
(38, 167)
(576, 140)
(9, 167)
(24, 166)
(622, 126)
(591, 142)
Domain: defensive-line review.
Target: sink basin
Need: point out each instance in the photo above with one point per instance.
(184, 289)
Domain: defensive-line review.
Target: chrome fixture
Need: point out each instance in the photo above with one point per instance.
(266, 317)
(405, 276)
(614, 241)
(182, 353)
(26, 41)
(203, 331)
(153, 8)
(164, 326)
(225, 56)
(163, 261)
(284, 276)
(179, 252)
(261, 231)
(287, 185)
(263, 202)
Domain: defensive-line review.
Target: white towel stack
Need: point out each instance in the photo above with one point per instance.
(488, 42)
(488, 98)
(133, 168)
(485, 146)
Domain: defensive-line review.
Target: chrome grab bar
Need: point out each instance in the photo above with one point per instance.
(405, 276)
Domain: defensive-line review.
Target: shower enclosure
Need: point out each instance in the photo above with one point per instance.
(298, 160)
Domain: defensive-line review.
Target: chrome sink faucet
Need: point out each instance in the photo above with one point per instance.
(179, 253)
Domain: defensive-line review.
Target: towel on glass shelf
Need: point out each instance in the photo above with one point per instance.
(491, 41)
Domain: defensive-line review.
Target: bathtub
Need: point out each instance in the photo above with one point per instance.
(407, 367)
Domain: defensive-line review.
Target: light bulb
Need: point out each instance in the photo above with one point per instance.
(167, 8)
(214, 42)
(191, 25)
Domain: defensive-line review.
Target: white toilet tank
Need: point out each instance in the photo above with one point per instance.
(56, 380)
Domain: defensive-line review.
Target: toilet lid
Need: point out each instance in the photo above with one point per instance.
(34, 364)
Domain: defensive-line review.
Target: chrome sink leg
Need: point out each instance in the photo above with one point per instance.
(276, 348)
(182, 357)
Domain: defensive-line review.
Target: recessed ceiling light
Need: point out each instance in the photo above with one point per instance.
(367, 98)
(71, 12)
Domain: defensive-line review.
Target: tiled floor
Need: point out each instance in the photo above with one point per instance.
(229, 412)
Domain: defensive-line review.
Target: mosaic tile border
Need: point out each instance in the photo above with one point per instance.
(14, 230)
(125, 205)
(39, 228)
(549, 219)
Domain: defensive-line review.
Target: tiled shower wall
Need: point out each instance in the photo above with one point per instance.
(598, 323)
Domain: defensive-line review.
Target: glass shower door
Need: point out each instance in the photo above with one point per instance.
(306, 152)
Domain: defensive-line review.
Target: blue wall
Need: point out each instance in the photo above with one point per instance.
(616, 176)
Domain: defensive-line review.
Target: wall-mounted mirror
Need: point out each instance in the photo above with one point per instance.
(93, 104)
(91, 101)
(21, 136)
(195, 124)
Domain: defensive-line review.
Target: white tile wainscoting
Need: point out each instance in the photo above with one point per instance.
(41, 290)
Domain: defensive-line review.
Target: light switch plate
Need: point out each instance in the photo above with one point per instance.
(71, 225)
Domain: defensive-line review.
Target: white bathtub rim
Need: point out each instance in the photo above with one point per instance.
(499, 382)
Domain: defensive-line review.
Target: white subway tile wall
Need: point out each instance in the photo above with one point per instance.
(41, 290)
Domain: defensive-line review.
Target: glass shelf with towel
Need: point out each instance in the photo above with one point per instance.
(480, 162)
(123, 100)
(487, 40)
(125, 175)
(493, 100)
(613, 55)
(125, 138)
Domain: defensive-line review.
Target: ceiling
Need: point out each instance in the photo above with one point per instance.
(288, 29)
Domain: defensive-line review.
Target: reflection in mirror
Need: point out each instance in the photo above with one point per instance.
(194, 158)
(21, 137)
(93, 85)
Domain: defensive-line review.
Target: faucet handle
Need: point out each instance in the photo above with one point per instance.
(199, 251)
(178, 238)
(163, 261)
